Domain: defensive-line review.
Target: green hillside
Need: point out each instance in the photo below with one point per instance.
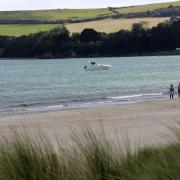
(104, 25)
(149, 7)
(19, 30)
(77, 14)
(58, 14)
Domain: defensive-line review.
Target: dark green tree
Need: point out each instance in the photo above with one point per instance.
(89, 35)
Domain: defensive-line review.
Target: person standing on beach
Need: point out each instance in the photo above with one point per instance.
(179, 90)
(171, 92)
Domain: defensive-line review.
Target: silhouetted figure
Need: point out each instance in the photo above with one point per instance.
(171, 92)
(179, 90)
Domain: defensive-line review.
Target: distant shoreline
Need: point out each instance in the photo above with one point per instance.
(162, 53)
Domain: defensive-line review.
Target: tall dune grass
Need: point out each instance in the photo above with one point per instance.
(87, 156)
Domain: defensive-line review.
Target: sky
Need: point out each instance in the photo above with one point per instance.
(71, 4)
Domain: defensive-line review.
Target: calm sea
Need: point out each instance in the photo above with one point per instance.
(43, 85)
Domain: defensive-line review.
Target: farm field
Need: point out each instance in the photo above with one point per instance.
(77, 14)
(113, 25)
(144, 8)
(18, 30)
(106, 25)
(56, 14)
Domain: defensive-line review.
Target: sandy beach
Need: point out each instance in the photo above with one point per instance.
(144, 123)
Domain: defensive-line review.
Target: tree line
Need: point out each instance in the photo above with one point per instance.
(58, 43)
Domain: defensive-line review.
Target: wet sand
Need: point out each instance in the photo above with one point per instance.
(143, 123)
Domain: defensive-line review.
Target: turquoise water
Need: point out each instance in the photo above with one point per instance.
(41, 85)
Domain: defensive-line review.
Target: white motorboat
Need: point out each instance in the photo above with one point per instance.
(93, 66)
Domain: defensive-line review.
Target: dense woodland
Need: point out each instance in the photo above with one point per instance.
(58, 43)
